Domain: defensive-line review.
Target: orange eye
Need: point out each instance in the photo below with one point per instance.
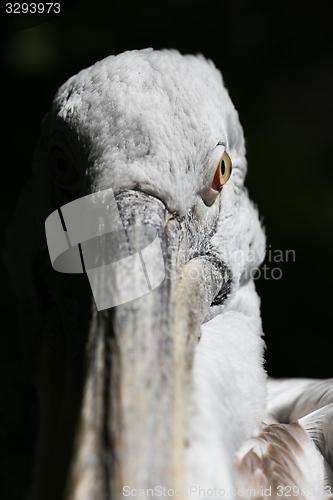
(222, 172)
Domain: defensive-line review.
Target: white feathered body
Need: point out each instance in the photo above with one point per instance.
(230, 393)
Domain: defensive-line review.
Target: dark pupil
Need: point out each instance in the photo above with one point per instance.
(62, 165)
(222, 167)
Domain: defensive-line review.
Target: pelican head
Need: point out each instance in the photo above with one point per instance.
(160, 130)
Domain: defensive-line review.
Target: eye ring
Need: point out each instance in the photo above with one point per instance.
(222, 172)
(62, 170)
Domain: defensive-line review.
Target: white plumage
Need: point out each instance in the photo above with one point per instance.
(157, 122)
(230, 386)
(152, 121)
(291, 452)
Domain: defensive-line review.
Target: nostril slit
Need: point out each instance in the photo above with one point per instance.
(226, 274)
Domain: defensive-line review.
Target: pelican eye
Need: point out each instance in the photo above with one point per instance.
(222, 172)
(63, 172)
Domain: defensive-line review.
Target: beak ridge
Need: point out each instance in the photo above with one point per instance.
(133, 424)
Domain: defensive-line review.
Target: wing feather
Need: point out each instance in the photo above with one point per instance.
(293, 450)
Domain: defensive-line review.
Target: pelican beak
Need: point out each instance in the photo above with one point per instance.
(133, 422)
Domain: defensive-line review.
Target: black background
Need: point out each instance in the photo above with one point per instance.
(276, 59)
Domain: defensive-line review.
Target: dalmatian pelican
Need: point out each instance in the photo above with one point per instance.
(161, 391)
